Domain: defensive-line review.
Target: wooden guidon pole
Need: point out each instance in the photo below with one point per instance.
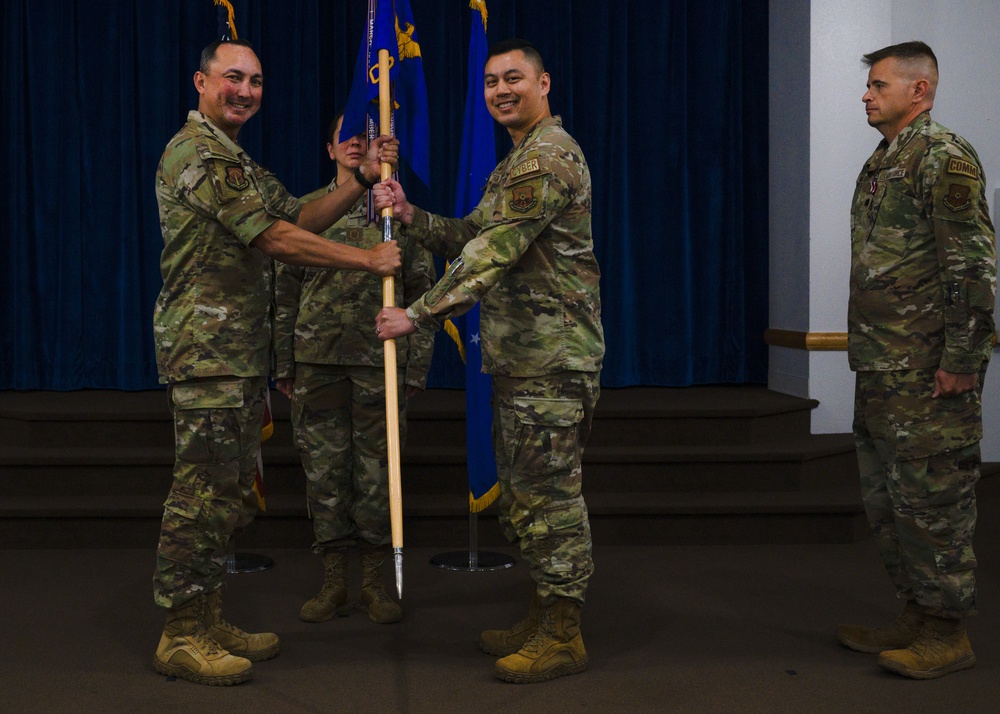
(389, 346)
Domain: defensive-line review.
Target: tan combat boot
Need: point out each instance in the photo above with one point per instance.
(901, 632)
(256, 647)
(556, 648)
(332, 597)
(381, 608)
(186, 651)
(501, 643)
(941, 648)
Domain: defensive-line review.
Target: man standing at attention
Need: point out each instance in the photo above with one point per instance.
(920, 330)
(526, 252)
(223, 219)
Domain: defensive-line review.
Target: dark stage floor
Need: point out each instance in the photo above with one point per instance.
(668, 629)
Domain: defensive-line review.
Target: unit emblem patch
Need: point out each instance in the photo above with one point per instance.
(235, 178)
(958, 197)
(522, 198)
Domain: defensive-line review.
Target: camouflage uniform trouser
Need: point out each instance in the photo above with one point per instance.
(540, 429)
(339, 417)
(919, 461)
(217, 425)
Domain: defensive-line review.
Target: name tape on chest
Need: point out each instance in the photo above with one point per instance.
(963, 168)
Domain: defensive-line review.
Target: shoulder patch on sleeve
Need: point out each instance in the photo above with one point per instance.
(962, 168)
(522, 198)
(958, 198)
(235, 178)
(529, 167)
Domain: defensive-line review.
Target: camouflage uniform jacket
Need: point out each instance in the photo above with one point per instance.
(327, 316)
(527, 254)
(923, 259)
(213, 314)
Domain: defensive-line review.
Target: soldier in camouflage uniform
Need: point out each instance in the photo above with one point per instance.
(526, 253)
(923, 283)
(223, 218)
(330, 365)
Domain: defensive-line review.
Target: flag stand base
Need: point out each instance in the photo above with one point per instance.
(472, 561)
(246, 562)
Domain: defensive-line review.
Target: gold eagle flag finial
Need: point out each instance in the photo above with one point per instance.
(480, 7)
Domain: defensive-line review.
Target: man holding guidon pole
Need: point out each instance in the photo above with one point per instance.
(526, 253)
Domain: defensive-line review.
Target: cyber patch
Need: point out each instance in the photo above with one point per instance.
(235, 178)
(958, 197)
(525, 168)
(963, 168)
(522, 198)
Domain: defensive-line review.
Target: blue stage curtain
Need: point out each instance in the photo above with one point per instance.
(667, 98)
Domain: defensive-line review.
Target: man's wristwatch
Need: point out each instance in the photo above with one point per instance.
(360, 178)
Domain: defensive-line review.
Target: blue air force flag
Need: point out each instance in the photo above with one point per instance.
(391, 27)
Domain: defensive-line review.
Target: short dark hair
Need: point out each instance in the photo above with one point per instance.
(531, 53)
(208, 54)
(914, 49)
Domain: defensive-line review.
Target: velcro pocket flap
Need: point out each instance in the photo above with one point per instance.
(548, 412)
(215, 394)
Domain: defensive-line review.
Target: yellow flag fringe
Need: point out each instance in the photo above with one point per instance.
(452, 331)
(232, 15)
(476, 505)
(480, 7)
(266, 432)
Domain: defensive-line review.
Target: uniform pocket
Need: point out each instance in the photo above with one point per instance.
(227, 176)
(180, 517)
(938, 436)
(547, 442)
(548, 412)
(955, 560)
(214, 394)
(206, 425)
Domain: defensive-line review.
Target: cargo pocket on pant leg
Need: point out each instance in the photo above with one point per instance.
(547, 441)
(206, 427)
(180, 530)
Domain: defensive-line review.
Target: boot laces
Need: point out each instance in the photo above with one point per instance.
(542, 637)
(378, 593)
(332, 577)
(222, 624)
(932, 644)
(207, 644)
(230, 628)
(200, 636)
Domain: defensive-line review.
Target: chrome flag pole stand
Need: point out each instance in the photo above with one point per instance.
(246, 562)
(473, 560)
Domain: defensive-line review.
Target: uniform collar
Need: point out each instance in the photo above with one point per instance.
(554, 120)
(196, 117)
(908, 132)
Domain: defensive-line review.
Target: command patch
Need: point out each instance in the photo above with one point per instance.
(963, 168)
(235, 178)
(958, 197)
(525, 168)
(522, 198)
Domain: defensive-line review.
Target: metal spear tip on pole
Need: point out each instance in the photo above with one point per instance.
(397, 556)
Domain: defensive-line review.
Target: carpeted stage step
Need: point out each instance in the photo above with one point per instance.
(664, 466)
